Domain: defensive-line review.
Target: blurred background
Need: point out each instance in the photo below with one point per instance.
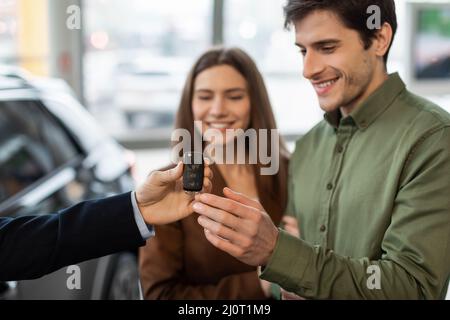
(123, 64)
(128, 60)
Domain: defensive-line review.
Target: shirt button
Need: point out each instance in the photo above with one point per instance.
(329, 186)
(323, 228)
(340, 149)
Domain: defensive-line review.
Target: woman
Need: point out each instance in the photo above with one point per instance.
(224, 90)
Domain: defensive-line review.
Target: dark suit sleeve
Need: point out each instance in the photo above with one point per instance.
(33, 246)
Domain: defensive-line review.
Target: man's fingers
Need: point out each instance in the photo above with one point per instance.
(217, 215)
(171, 175)
(176, 173)
(222, 231)
(227, 205)
(241, 198)
(223, 245)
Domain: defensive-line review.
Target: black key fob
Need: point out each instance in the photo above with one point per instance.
(193, 171)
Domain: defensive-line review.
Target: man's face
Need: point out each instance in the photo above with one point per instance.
(334, 59)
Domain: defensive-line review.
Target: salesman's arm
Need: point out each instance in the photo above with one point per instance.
(33, 246)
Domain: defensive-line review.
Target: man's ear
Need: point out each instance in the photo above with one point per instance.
(383, 39)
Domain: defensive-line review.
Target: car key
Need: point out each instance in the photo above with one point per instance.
(193, 172)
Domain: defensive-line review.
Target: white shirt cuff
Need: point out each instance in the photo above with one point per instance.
(146, 230)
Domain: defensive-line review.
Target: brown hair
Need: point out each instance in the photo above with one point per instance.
(261, 115)
(353, 13)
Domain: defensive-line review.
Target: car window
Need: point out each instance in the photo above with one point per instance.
(32, 144)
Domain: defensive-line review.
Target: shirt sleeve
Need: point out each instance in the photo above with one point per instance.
(146, 230)
(275, 289)
(415, 263)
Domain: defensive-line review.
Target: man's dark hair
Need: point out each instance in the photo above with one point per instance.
(353, 13)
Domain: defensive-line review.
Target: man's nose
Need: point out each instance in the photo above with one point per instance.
(312, 65)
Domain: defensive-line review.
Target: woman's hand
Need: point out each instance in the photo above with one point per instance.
(265, 286)
(291, 226)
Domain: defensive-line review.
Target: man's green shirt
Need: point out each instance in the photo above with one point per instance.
(371, 192)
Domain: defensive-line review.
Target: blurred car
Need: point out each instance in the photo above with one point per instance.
(148, 91)
(438, 69)
(53, 155)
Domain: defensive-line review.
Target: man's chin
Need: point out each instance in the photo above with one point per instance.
(328, 106)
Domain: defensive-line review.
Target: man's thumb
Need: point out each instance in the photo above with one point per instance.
(171, 174)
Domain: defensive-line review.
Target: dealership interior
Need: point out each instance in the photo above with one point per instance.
(112, 73)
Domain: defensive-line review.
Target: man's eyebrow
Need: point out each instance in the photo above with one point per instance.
(321, 43)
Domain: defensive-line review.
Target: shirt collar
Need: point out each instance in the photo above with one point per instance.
(365, 114)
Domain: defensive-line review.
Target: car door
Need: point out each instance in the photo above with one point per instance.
(40, 164)
(41, 172)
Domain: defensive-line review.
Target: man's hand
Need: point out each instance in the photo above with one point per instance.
(237, 225)
(161, 198)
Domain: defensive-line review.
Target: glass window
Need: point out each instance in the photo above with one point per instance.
(8, 31)
(20, 166)
(137, 56)
(257, 27)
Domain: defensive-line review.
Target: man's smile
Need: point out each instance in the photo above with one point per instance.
(324, 86)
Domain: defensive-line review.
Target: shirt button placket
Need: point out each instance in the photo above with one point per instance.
(344, 133)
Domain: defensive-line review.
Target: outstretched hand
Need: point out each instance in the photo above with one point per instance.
(161, 198)
(237, 225)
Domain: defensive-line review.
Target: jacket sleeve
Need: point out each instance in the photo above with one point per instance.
(161, 272)
(416, 245)
(33, 246)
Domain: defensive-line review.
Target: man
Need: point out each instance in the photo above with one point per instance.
(369, 185)
(33, 246)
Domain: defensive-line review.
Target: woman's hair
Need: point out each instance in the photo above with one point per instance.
(261, 114)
